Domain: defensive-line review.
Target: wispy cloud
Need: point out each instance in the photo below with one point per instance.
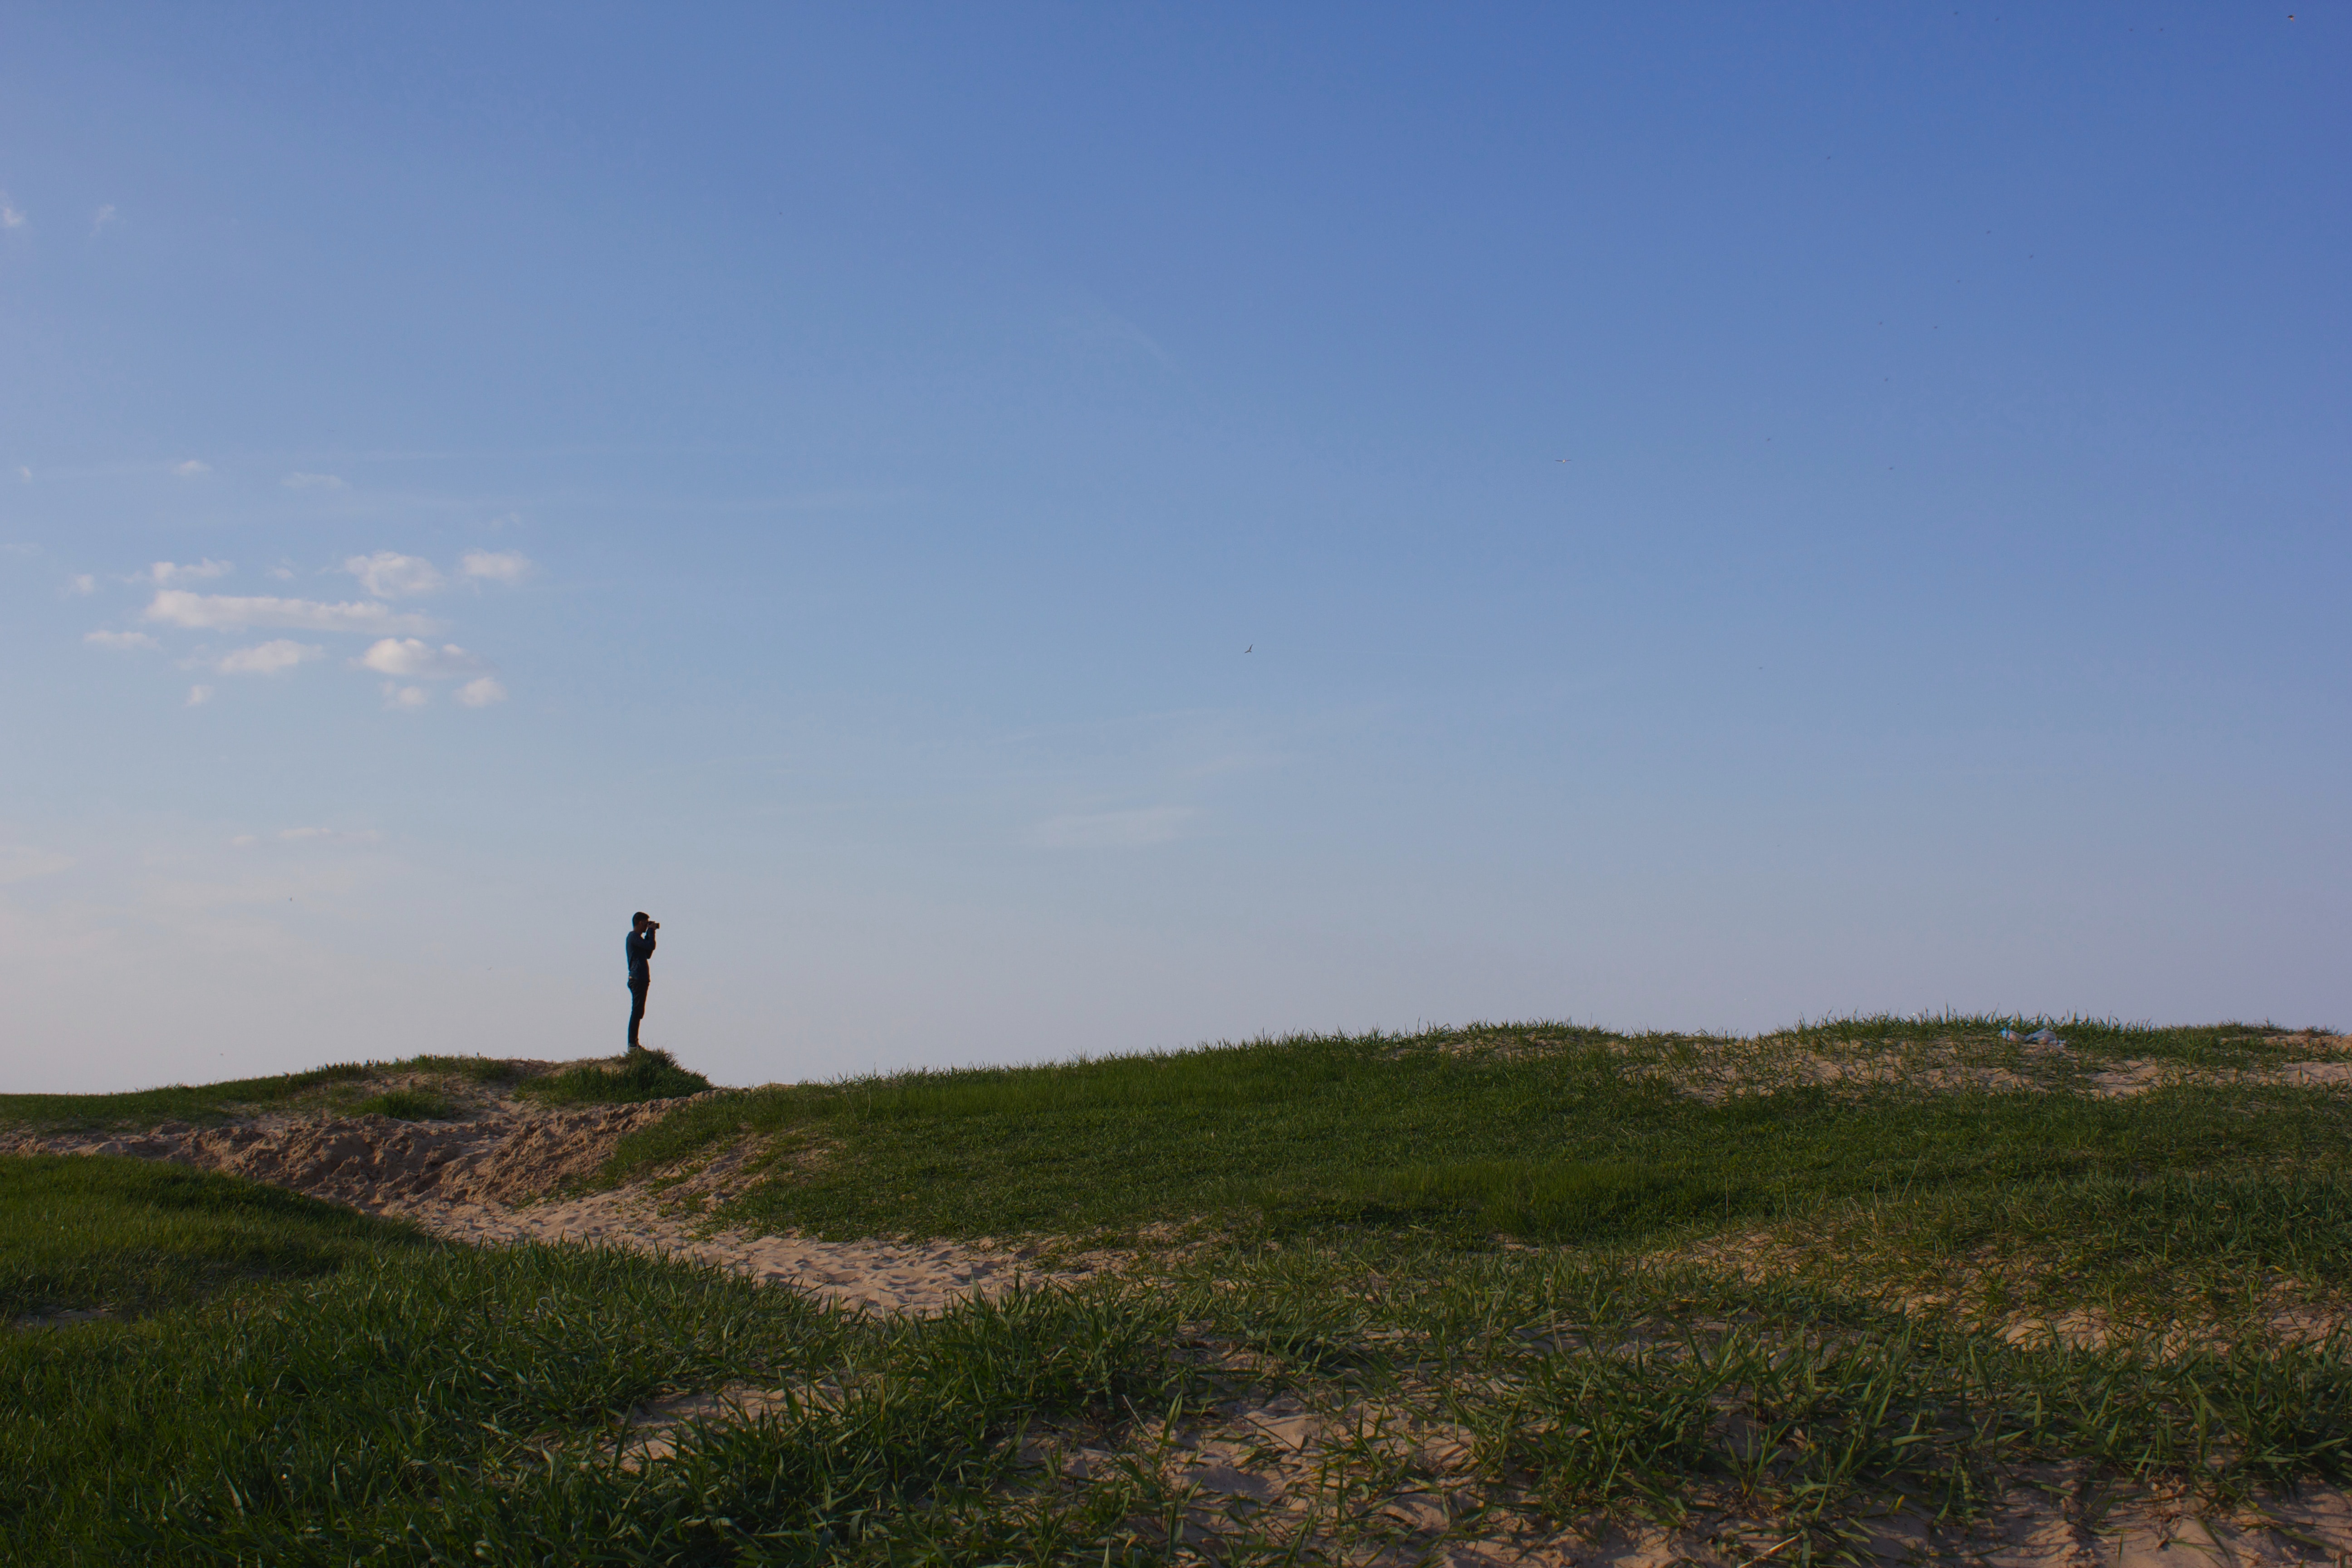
(416, 660)
(120, 639)
(1111, 829)
(312, 836)
(11, 216)
(1094, 330)
(272, 658)
(222, 612)
(388, 575)
(198, 695)
(192, 469)
(163, 574)
(496, 565)
(99, 219)
(481, 692)
(404, 698)
(83, 583)
(312, 482)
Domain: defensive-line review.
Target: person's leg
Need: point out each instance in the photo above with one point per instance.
(638, 989)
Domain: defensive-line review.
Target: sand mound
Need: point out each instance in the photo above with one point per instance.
(509, 1175)
(369, 1162)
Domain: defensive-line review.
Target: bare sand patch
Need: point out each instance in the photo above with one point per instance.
(881, 1274)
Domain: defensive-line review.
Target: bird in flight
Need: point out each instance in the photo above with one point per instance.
(1250, 645)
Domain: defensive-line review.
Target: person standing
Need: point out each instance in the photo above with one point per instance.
(641, 969)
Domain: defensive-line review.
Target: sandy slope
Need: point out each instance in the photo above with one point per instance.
(488, 1180)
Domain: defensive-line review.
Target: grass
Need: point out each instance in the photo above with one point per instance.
(406, 1105)
(1541, 1131)
(211, 1102)
(215, 1102)
(640, 1075)
(1784, 1317)
(131, 1236)
(410, 1402)
(431, 1402)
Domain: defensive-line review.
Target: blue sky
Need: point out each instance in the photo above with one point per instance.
(1018, 530)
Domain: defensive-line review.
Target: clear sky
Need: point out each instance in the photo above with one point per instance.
(1016, 530)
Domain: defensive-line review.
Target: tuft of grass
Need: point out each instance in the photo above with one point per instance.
(407, 1105)
(639, 1076)
(485, 1070)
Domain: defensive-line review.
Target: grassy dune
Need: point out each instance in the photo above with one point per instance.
(1774, 1311)
(1543, 1132)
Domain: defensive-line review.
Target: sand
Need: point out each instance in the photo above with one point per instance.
(921, 1276)
(492, 1180)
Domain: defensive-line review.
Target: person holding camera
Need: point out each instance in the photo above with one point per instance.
(641, 969)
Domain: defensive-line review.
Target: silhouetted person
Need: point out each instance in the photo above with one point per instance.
(641, 969)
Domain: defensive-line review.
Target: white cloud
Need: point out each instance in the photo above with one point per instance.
(198, 695)
(312, 482)
(191, 469)
(498, 565)
(24, 473)
(408, 656)
(481, 692)
(272, 658)
(221, 612)
(120, 639)
(398, 696)
(85, 584)
(245, 841)
(103, 217)
(163, 574)
(10, 216)
(1111, 829)
(388, 575)
(22, 862)
(283, 573)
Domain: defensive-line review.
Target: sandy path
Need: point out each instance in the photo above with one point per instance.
(884, 1276)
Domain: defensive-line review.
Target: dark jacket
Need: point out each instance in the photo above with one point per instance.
(641, 948)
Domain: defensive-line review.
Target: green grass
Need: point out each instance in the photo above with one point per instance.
(391, 1399)
(281, 1381)
(2168, 1249)
(1538, 1132)
(211, 1102)
(637, 1076)
(132, 1235)
(406, 1105)
(433, 1403)
(215, 1102)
